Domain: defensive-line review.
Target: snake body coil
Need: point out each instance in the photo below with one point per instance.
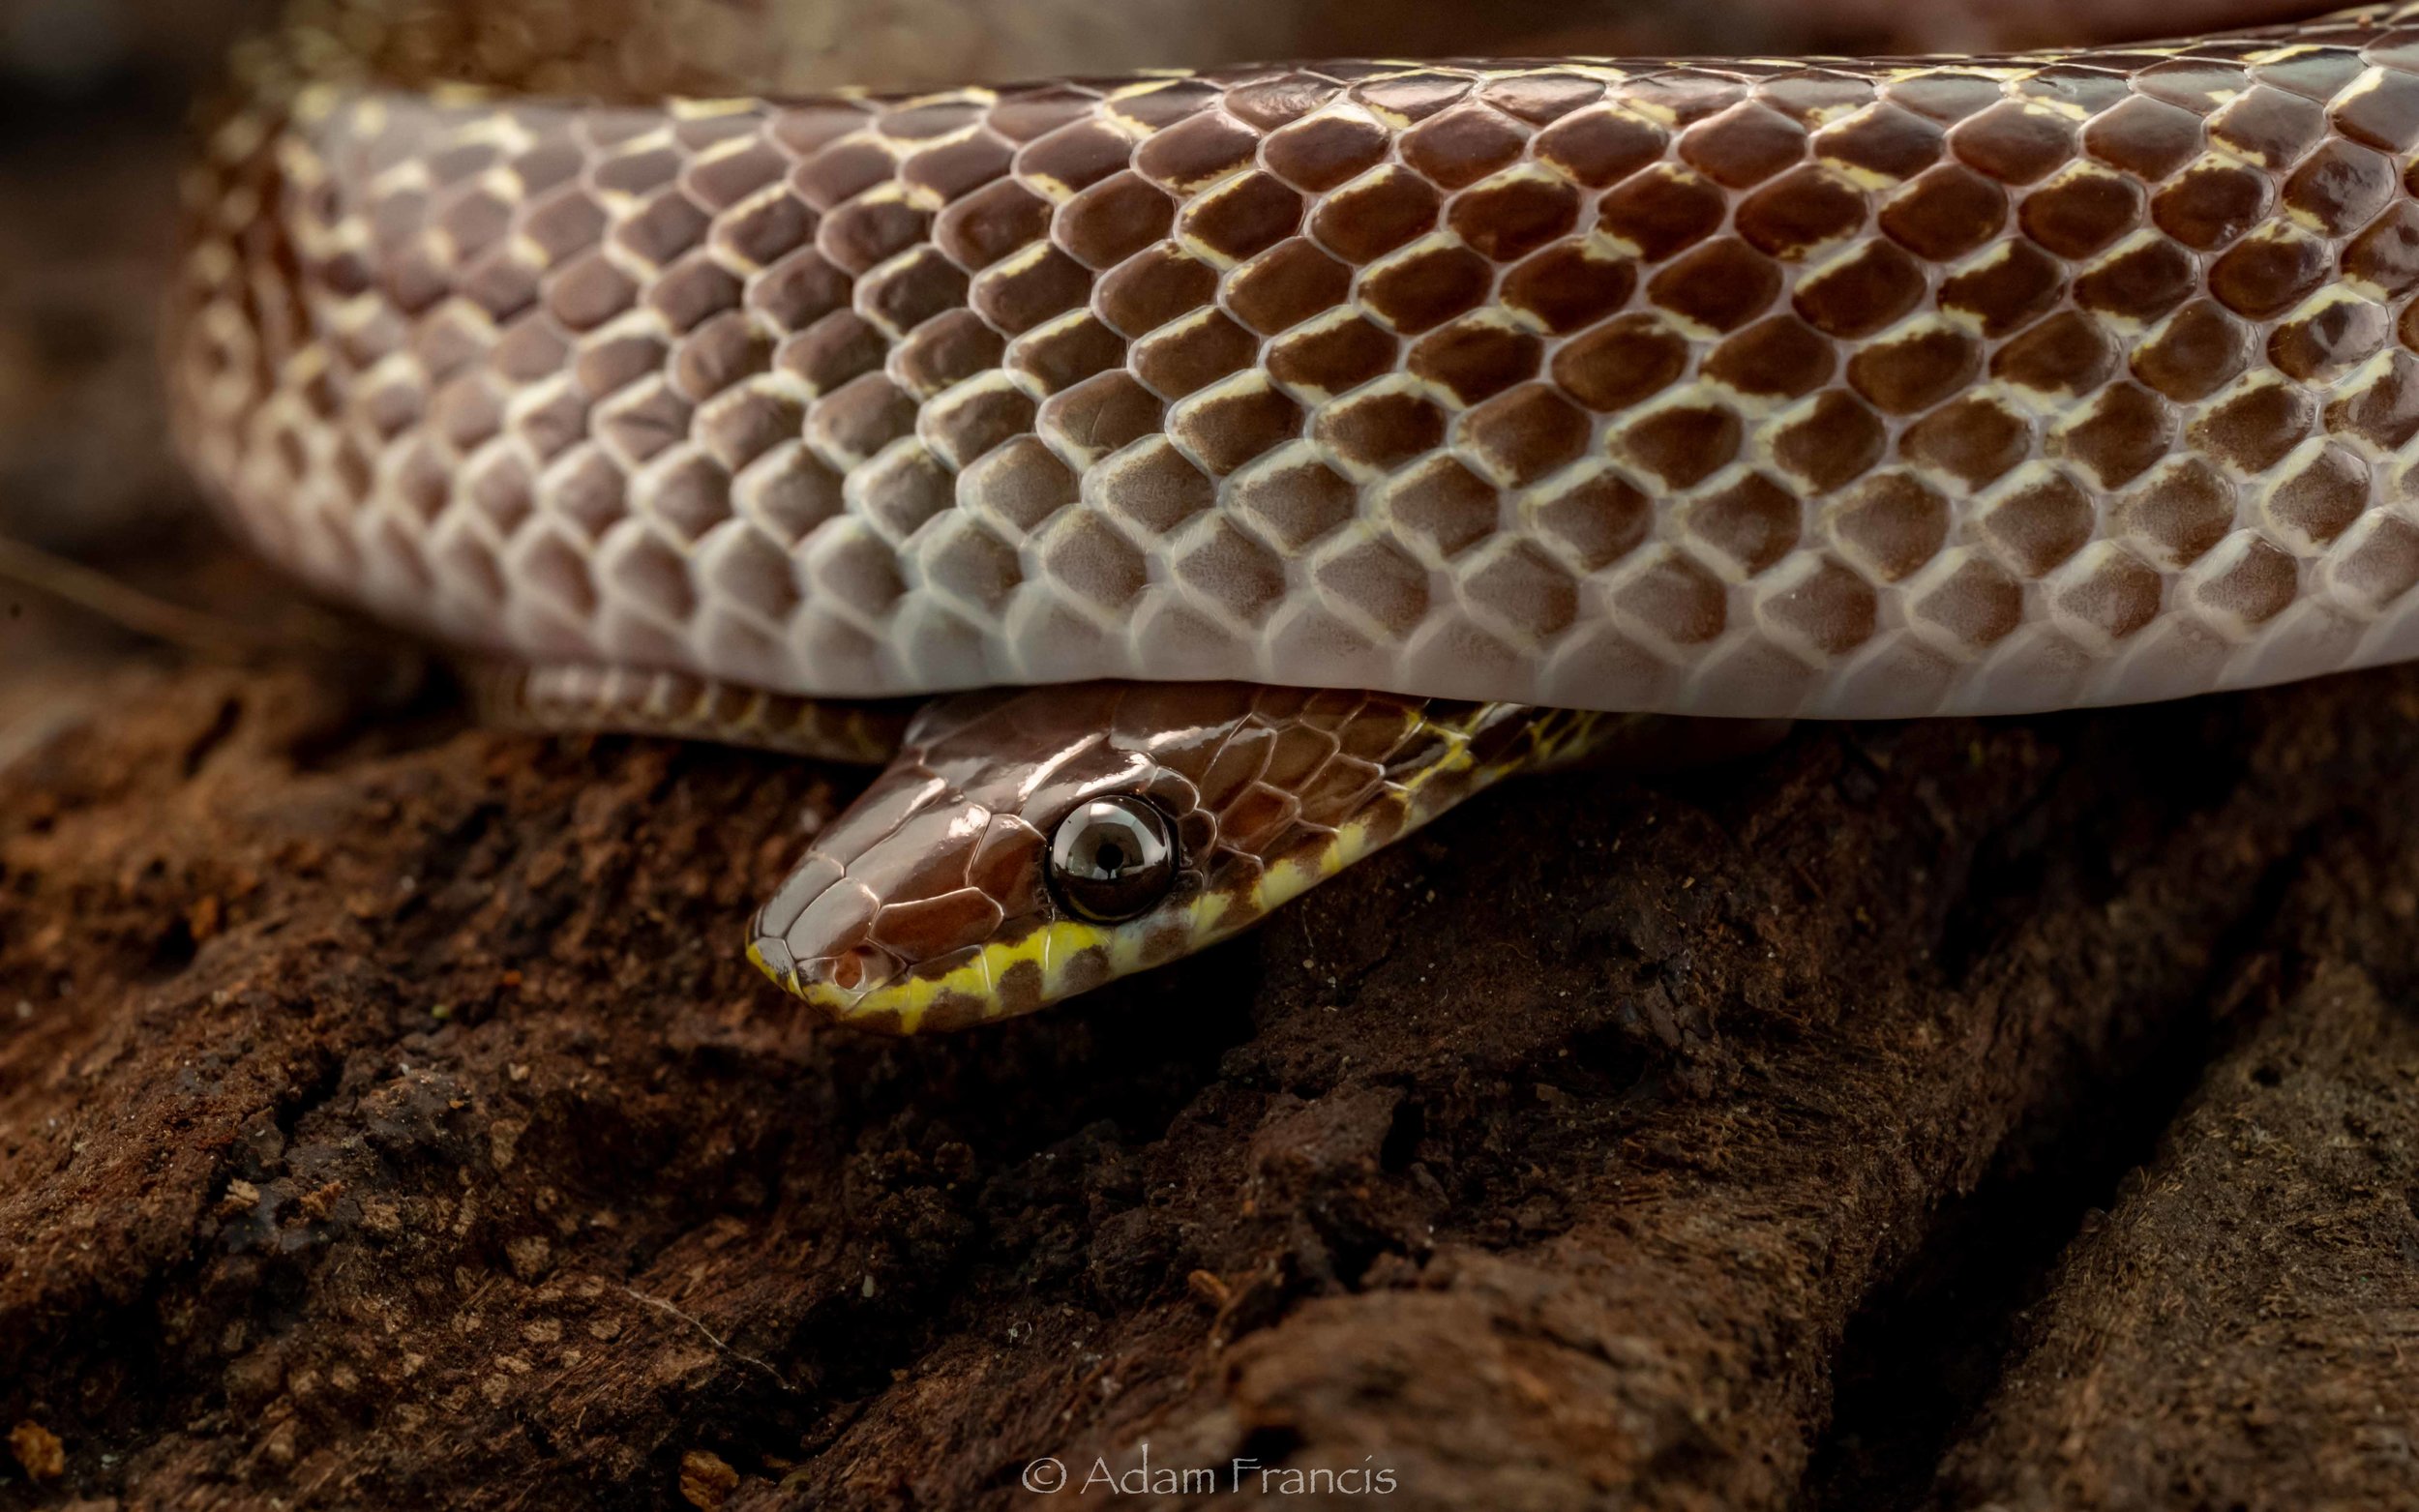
(1761, 388)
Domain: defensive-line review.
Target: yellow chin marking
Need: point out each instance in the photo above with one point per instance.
(1296, 875)
(1056, 951)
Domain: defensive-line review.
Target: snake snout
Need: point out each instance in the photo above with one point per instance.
(832, 980)
(845, 974)
(813, 938)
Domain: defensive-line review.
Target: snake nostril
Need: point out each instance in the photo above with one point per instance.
(856, 970)
(848, 971)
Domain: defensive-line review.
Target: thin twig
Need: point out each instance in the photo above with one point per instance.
(713, 1338)
(127, 607)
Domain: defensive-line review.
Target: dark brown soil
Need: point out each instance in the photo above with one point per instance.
(2021, 1113)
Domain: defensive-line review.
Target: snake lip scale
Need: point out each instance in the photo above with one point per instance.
(1522, 400)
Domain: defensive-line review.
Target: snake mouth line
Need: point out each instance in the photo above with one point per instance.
(866, 988)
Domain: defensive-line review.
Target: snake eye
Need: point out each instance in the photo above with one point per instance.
(1113, 858)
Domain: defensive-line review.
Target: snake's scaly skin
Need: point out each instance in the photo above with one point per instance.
(928, 907)
(1755, 388)
(581, 698)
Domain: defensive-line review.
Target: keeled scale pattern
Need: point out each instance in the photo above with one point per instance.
(1749, 388)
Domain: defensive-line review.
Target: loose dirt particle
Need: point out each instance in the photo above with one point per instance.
(38, 1450)
(705, 1480)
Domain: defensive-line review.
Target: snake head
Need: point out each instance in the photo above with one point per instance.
(1023, 847)
(1027, 845)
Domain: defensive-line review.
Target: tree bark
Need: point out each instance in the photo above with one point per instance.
(388, 1112)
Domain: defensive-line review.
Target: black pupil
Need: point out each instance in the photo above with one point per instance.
(1114, 857)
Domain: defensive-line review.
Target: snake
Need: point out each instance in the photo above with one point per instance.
(1192, 481)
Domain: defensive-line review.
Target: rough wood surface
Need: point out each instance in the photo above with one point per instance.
(383, 1106)
(2237, 1331)
(2013, 1115)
